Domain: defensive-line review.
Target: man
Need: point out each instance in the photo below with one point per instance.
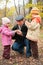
(20, 39)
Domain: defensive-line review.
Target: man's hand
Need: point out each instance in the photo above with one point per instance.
(19, 32)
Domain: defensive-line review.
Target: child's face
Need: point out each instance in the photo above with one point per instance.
(8, 24)
(33, 15)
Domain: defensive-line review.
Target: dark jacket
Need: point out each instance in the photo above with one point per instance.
(19, 38)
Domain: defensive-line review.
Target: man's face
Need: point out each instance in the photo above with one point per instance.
(20, 22)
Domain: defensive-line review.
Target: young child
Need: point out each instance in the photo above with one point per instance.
(6, 37)
(34, 30)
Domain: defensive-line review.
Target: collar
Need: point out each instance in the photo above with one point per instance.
(5, 26)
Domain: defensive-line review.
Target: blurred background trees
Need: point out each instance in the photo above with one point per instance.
(12, 8)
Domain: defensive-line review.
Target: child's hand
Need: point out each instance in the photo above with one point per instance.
(27, 23)
(15, 31)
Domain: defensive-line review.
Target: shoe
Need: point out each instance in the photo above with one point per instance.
(21, 53)
(28, 56)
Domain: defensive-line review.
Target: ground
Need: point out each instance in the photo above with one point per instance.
(18, 59)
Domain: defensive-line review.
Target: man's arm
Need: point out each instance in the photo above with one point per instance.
(24, 30)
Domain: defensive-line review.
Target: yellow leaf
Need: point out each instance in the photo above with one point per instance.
(11, 11)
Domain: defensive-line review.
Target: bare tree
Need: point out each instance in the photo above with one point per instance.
(15, 7)
(23, 7)
(18, 7)
(30, 1)
(6, 7)
(34, 1)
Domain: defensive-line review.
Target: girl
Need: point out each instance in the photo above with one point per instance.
(6, 37)
(34, 30)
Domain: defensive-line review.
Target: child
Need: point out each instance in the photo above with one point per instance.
(6, 37)
(34, 30)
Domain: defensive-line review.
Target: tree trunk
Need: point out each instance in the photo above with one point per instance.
(34, 1)
(6, 7)
(23, 7)
(18, 7)
(15, 7)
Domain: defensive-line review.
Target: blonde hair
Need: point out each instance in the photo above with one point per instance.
(35, 10)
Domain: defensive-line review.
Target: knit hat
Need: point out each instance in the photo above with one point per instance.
(5, 20)
(35, 10)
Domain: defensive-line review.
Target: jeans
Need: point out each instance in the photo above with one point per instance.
(20, 47)
(28, 48)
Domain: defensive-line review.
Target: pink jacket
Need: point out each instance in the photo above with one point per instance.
(6, 35)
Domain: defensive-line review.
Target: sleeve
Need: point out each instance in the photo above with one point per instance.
(0, 29)
(14, 28)
(6, 32)
(24, 31)
(33, 25)
(27, 24)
